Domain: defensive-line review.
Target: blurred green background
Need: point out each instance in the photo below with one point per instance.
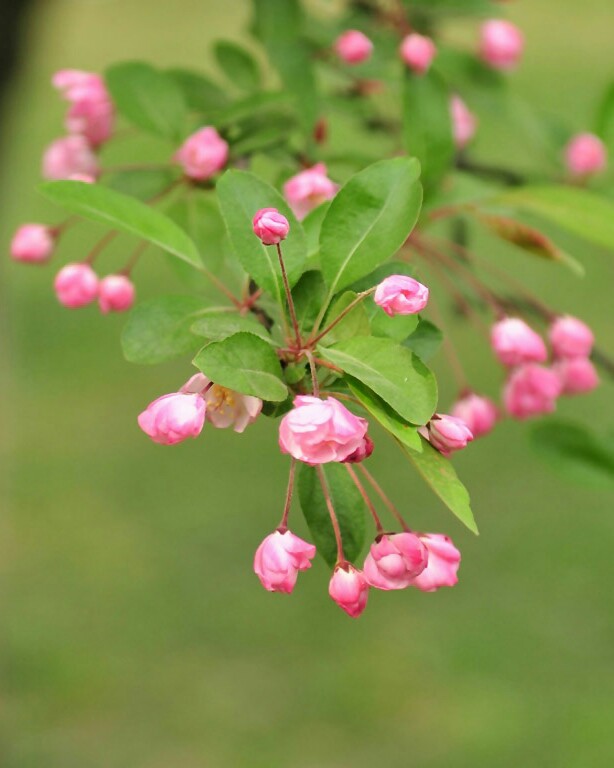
(133, 630)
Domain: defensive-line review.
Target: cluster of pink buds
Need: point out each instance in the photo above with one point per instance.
(77, 285)
(308, 189)
(203, 154)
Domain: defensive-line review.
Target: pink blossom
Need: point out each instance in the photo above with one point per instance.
(401, 295)
(349, 589)
(279, 559)
(308, 189)
(173, 418)
(91, 112)
(84, 177)
(443, 563)
(395, 560)
(225, 407)
(570, 337)
(577, 375)
(353, 47)
(318, 431)
(585, 155)
(514, 342)
(464, 122)
(364, 450)
(202, 154)
(32, 243)
(477, 412)
(68, 156)
(76, 285)
(502, 44)
(447, 433)
(531, 390)
(418, 52)
(270, 226)
(116, 293)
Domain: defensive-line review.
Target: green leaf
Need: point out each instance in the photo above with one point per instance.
(105, 206)
(393, 372)
(245, 363)
(219, 325)
(159, 329)
(238, 65)
(576, 210)
(348, 505)
(604, 124)
(398, 327)
(312, 224)
(142, 184)
(241, 195)
(574, 451)
(389, 420)
(309, 295)
(425, 340)
(355, 323)
(148, 98)
(441, 476)
(200, 93)
(427, 125)
(369, 220)
(198, 214)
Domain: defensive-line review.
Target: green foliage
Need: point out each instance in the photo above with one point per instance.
(238, 65)
(219, 325)
(144, 184)
(425, 340)
(199, 92)
(355, 323)
(198, 214)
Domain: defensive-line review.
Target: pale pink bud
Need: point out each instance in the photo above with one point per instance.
(447, 433)
(202, 154)
(349, 589)
(32, 243)
(443, 563)
(514, 342)
(502, 44)
(308, 189)
(364, 450)
(353, 47)
(68, 156)
(270, 226)
(401, 295)
(279, 559)
(116, 293)
(395, 560)
(464, 122)
(531, 390)
(577, 375)
(91, 111)
(418, 52)
(318, 431)
(76, 285)
(477, 412)
(585, 155)
(173, 418)
(570, 337)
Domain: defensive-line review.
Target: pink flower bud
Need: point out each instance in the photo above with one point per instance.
(418, 52)
(464, 122)
(585, 155)
(447, 433)
(395, 560)
(501, 44)
(514, 342)
(116, 293)
(570, 337)
(270, 226)
(308, 189)
(91, 112)
(401, 295)
(349, 589)
(173, 418)
(531, 390)
(577, 375)
(32, 243)
(443, 563)
(318, 431)
(202, 154)
(353, 47)
(279, 559)
(364, 450)
(76, 285)
(68, 156)
(477, 412)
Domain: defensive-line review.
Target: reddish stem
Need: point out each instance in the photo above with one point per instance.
(365, 496)
(380, 492)
(283, 525)
(333, 517)
(289, 299)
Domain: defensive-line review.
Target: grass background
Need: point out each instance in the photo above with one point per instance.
(133, 632)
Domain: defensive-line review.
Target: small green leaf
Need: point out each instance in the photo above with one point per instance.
(238, 65)
(143, 184)
(312, 224)
(369, 220)
(148, 98)
(200, 93)
(389, 420)
(348, 505)
(355, 323)
(197, 213)
(393, 372)
(105, 206)
(309, 295)
(219, 325)
(159, 329)
(398, 327)
(604, 124)
(245, 363)
(425, 340)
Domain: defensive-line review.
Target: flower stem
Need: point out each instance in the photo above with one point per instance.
(134, 258)
(314, 374)
(100, 246)
(313, 341)
(380, 492)
(361, 489)
(289, 299)
(283, 525)
(333, 517)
